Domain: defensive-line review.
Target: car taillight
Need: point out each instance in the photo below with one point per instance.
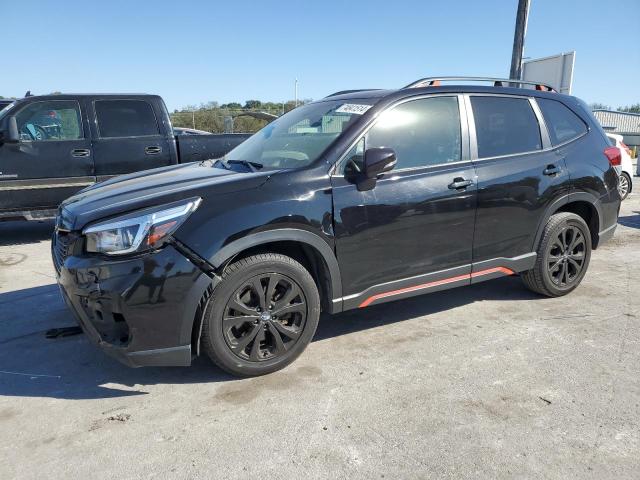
(614, 155)
(627, 149)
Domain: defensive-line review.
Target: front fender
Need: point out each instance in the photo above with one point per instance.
(291, 235)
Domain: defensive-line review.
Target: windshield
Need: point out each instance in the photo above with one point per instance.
(299, 137)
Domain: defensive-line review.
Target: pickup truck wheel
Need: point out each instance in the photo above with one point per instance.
(262, 315)
(563, 256)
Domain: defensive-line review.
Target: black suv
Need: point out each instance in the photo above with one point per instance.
(363, 197)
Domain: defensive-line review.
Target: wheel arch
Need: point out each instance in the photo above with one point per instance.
(305, 247)
(308, 248)
(582, 204)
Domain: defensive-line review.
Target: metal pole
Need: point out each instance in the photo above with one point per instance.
(296, 92)
(518, 39)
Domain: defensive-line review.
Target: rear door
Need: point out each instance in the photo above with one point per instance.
(519, 176)
(53, 159)
(128, 137)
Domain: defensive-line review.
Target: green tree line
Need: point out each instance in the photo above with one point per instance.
(220, 118)
(635, 108)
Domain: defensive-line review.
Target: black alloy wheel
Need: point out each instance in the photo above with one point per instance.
(261, 316)
(566, 256)
(264, 317)
(562, 256)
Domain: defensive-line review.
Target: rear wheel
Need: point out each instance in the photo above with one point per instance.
(624, 185)
(563, 256)
(262, 315)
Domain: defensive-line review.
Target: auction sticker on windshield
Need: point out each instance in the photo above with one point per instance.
(355, 108)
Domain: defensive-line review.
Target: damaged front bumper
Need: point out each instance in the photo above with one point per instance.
(139, 310)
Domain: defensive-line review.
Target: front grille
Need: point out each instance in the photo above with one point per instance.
(61, 247)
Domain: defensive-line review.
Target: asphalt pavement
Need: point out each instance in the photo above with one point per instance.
(488, 381)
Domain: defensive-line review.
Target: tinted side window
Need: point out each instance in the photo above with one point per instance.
(422, 132)
(50, 121)
(562, 123)
(125, 118)
(505, 126)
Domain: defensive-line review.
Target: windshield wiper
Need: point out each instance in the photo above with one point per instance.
(253, 166)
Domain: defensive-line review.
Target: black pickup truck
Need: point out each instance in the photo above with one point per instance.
(55, 145)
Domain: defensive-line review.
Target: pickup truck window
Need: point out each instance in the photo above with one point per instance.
(54, 120)
(125, 118)
(299, 137)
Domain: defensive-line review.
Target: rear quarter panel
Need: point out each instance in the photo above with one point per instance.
(589, 168)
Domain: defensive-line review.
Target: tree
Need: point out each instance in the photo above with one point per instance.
(599, 106)
(630, 109)
(210, 116)
(253, 104)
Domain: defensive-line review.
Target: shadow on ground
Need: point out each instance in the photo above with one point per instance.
(72, 368)
(631, 221)
(19, 233)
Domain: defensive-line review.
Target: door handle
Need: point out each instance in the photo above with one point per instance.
(152, 150)
(459, 183)
(551, 170)
(80, 152)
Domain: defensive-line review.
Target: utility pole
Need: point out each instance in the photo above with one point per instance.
(296, 91)
(518, 39)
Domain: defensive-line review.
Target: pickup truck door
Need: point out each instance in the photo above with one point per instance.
(128, 137)
(53, 159)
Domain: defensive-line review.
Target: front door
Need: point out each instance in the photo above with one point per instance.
(129, 138)
(413, 232)
(52, 161)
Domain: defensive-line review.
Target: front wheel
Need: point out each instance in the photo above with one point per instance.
(261, 316)
(562, 257)
(624, 185)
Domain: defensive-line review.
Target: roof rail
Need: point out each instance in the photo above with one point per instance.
(343, 92)
(497, 82)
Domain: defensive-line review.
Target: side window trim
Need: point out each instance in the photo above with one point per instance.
(80, 119)
(542, 126)
(337, 169)
(97, 123)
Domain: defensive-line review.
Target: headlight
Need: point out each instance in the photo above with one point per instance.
(138, 231)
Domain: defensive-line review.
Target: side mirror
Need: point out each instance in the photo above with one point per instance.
(376, 162)
(10, 135)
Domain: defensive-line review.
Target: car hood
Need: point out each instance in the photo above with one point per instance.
(152, 187)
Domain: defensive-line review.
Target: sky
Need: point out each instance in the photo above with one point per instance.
(193, 52)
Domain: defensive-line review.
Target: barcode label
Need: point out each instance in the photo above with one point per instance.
(354, 108)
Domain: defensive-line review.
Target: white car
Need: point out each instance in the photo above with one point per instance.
(626, 175)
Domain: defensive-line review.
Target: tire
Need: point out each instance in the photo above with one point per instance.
(624, 185)
(561, 250)
(261, 316)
